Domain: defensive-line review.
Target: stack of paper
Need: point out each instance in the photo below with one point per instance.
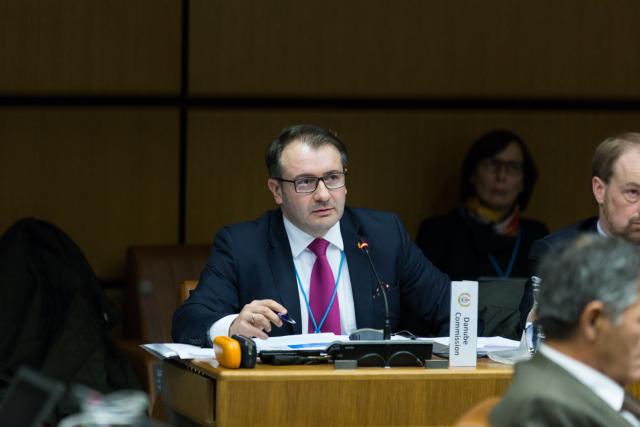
(181, 351)
(484, 344)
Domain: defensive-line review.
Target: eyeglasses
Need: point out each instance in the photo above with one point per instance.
(494, 165)
(308, 184)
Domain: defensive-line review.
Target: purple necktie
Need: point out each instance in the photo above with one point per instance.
(321, 290)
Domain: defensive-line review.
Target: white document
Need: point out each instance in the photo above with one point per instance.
(181, 351)
(511, 356)
(463, 326)
(320, 341)
(299, 342)
(484, 345)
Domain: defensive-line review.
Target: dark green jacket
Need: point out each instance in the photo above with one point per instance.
(544, 394)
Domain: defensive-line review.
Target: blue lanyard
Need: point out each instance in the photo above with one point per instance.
(514, 254)
(317, 328)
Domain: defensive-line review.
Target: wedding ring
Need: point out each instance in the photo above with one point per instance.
(253, 319)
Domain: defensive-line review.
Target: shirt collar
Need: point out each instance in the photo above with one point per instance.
(601, 230)
(603, 386)
(299, 240)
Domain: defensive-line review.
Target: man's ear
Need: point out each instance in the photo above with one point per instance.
(276, 190)
(592, 320)
(598, 187)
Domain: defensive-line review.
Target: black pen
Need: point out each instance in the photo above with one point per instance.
(286, 318)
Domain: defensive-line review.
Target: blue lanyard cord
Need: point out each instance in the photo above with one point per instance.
(514, 254)
(317, 328)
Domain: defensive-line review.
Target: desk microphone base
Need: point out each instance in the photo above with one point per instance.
(379, 353)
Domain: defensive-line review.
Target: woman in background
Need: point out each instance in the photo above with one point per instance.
(486, 237)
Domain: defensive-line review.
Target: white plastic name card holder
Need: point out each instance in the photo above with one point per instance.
(463, 330)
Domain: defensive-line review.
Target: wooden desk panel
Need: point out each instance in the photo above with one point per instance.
(321, 395)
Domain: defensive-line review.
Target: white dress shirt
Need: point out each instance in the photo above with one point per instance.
(604, 387)
(303, 260)
(601, 230)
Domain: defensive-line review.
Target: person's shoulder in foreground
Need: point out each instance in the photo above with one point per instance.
(589, 310)
(544, 394)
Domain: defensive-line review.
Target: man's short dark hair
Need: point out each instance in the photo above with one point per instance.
(314, 136)
(589, 268)
(609, 151)
(487, 146)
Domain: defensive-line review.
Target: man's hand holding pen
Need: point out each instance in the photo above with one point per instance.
(255, 319)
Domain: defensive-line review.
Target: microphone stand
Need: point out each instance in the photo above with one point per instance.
(386, 331)
(351, 354)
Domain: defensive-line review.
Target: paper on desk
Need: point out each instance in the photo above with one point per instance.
(484, 344)
(299, 342)
(512, 356)
(181, 351)
(319, 341)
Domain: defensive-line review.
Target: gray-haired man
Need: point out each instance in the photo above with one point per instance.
(590, 312)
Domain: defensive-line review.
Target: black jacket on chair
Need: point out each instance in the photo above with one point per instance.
(54, 316)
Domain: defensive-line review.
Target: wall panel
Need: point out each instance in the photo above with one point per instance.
(107, 177)
(402, 161)
(90, 47)
(415, 48)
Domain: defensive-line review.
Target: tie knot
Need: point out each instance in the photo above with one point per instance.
(319, 247)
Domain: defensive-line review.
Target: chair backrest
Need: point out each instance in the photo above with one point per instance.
(154, 274)
(186, 286)
(499, 306)
(478, 415)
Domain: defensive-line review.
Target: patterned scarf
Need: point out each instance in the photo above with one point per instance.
(504, 226)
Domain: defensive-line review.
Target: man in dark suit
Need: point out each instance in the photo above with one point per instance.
(262, 269)
(590, 313)
(615, 184)
(616, 188)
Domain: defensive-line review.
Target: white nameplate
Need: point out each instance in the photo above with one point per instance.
(463, 329)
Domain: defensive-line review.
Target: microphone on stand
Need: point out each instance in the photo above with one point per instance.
(365, 348)
(363, 245)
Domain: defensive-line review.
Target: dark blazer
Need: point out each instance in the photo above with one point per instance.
(253, 260)
(556, 240)
(460, 246)
(552, 242)
(54, 314)
(544, 394)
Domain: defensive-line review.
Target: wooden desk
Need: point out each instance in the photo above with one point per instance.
(323, 396)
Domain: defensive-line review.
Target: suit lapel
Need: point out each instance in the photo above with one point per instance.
(362, 280)
(281, 264)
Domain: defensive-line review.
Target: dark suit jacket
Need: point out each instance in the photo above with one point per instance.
(552, 242)
(460, 246)
(253, 260)
(544, 394)
(556, 240)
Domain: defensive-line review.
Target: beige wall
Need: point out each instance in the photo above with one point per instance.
(407, 84)
(108, 177)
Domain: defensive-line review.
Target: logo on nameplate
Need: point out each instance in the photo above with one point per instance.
(464, 299)
(463, 327)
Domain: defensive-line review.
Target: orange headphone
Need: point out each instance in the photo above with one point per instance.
(236, 351)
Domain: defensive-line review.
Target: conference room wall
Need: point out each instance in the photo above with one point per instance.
(402, 161)
(106, 176)
(329, 53)
(415, 48)
(66, 47)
